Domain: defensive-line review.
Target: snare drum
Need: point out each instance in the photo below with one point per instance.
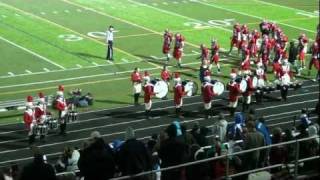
(243, 85)
(72, 116)
(218, 88)
(52, 124)
(40, 130)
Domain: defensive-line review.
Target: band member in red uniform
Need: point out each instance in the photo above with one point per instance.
(167, 40)
(178, 48)
(215, 54)
(62, 108)
(29, 102)
(236, 37)
(165, 76)
(245, 65)
(207, 96)
(314, 57)
(244, 36)
(302, 49)
(265, 52)
(40, 115)
(233, 74)
(178, 94)
(247, 94)
(148, 94)
(29, 121)
(234, 92)
(204, 53)
(136, 80)
(252, 46)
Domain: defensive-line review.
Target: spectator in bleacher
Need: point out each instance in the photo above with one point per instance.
(96, 161)
(222, 127)
(264, 130)
(252, 139)
(198, 171)
(133, 156)
(278, 154)
(152, 142)
(304, 118)
(199, 134)
(69, 159)
(235, 131)
(186, 136)
(38, 170)
(173, 152)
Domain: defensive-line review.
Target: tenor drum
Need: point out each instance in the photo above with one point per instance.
(72, 116)
(190, 87)
(218, 88)
(52, 123)
(40, 130)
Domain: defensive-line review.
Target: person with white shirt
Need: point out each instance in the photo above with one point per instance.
(109, 41)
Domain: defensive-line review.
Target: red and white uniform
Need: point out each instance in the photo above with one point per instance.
(204, 53)
(260, 73)
(207, 94)
(136, 81)
(234, 92)
(244, 34)
(249, 91)
(278, 52)
(167, 39)
(165, 75)
(285, 68)
(314, 57)
(178, 94)
(236, 36)
(215, 52)
(28, 118)
(252, 46)
(178, 47)
(148, 93)
(303, 43)
(245, 65)
(61, 106)
(40, 113)
(29, 103)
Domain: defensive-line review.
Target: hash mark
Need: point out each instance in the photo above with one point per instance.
(46, 70)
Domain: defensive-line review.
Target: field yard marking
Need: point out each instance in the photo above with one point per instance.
(195, 52)
(135, 35)
(257, 17)
(42, 13)
(78, 65)
(66, 11)
(179, 15)
(69, 69)
(154, 57)
(45, 69)
(155, 4)
(311, 15)
(94, 63)
(80, 34)
(32, 52)
(11, 73)
(55, 12)
(165, 3)
(3, 16)
(124, 60)
(278, 5)
(79, 10)
(120, 19)
(28, 71)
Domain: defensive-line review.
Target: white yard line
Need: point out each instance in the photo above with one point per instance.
(257, 17)
(31, 52)
(285, 7)
(178, 15)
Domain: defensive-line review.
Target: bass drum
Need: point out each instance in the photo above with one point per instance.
(190, 87)
(161, 89)
(243, 85)
(218, 88)
(255, 82)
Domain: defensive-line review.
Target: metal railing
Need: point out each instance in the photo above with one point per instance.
(226, 157)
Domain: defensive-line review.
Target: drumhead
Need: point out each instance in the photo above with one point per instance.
(260, 83)
(254, 82)
(191, 88)
(161, 89)
(243, 85)
(218, 88)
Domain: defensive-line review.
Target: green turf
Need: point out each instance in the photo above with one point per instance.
(140, 24)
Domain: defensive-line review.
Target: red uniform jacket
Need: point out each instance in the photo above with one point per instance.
(148, 92)
(207, 92)
(28, 118)
(135, 77)
(245, 65)
(167, 39)
(234, 91)
(178, 93)
(165, 75)
(250, 88)
(38, 112)
(61, 104)
(204, 53)
(215, 52)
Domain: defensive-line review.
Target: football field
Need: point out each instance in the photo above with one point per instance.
(44, 43)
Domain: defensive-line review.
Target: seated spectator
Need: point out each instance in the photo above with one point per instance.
(152, 142)
(278, 154)
(133, 156)
(220, 128)
(304, 118)
(69, 159)
(38, 170)
(198, 171)
(199, 134)
(96, 161)
(172, 152)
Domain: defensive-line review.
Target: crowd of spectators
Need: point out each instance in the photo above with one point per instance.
(98, 160)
